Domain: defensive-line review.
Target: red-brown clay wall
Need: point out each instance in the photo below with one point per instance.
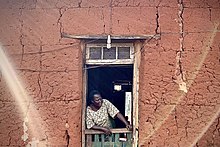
(172, 117)
(51, 67)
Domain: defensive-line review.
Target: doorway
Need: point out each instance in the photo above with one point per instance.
(114, 82)
(115, 74)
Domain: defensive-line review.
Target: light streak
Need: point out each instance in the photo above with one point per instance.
(32, 124)
(205, 52)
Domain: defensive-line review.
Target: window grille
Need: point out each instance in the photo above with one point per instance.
(117, 54)
(95, 53)
(123, 52)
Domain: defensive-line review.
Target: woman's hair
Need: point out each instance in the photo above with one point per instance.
(91, 95)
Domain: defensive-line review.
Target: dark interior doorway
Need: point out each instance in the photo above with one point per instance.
(106, 78)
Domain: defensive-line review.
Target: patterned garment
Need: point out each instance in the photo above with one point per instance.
(101, 116)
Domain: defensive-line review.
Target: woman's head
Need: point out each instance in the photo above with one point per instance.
(95, 98)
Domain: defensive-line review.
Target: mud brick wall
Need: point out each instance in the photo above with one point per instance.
(179, 96)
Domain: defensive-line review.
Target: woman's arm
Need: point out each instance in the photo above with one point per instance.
(122, 118)
(106, 130)
(113, 112)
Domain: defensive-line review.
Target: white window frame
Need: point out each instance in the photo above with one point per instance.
(111, 61)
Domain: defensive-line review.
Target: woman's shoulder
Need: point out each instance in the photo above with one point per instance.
(105, 101)
(88, 108)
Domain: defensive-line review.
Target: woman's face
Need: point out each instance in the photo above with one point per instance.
(97, 100)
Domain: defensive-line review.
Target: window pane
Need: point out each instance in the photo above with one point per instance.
(109, 53)
(123, 52)
(95, 53)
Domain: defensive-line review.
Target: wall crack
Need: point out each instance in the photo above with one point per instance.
(157, 21)
(59, 23)
(179, 73)
(79, 4)
(21, 37)
(39, 77)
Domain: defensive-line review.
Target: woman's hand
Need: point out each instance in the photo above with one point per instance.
(129, 127)
(122, 118)
(106, 130)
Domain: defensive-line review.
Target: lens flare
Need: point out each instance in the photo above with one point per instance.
(32, 124)
(205, 49)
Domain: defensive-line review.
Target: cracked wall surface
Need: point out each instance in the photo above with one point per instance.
(178, 118)
(187, 54)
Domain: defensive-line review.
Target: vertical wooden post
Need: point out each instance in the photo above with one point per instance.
(84, 80)
(137, 60)
(89, 140)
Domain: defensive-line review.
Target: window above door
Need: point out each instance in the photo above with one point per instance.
(120, 53)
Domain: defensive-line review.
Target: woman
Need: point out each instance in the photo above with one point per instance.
(98, 112)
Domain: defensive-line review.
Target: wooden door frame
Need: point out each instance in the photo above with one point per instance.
(136, 65)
